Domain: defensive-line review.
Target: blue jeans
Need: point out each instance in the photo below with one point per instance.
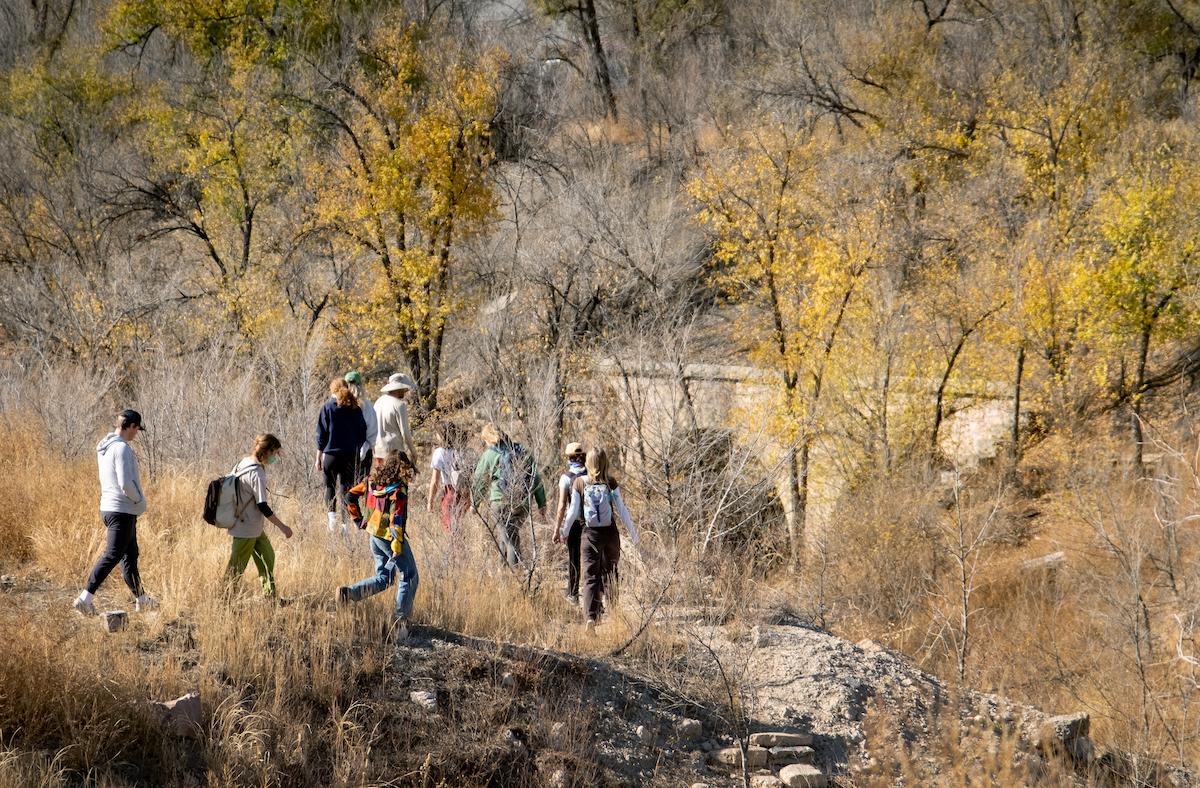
(405, 567)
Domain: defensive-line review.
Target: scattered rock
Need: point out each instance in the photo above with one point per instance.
(115, 620)
(732, 757)
(765, 781)
(514, 739)
(1047, 563)
(802, 775)
(689, 730)
(182, 716)
(1067, 733)
(769, 740)
(1066, 727)
(424, 698)
(785, 756)
(644, 734)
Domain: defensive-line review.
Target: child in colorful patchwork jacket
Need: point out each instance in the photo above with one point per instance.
(385, 518)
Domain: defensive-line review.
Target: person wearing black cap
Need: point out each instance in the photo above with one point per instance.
(121, 501)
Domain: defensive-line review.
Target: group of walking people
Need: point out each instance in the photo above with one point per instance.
(367, 457)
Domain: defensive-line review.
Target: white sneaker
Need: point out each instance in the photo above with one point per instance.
(83, 608)
(145, 602)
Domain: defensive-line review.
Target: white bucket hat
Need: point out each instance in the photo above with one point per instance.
(398, 382)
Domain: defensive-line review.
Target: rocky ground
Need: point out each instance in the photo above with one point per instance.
(457, 710)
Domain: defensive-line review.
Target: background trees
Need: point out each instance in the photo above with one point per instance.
(771, 251)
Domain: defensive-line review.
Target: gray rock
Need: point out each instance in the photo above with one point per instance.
(644, 734)
(424, 698)
(1066, 728)
(732, 757)
(115, 620)
(769, 740)
(765, 781)
(182, 716)
(689, 730)
(802, 775)
(514, 739)
(784, 756)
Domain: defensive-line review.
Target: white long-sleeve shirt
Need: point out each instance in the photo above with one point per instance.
(618, 505)
(372, 420)
(394, 433)
(120, 487)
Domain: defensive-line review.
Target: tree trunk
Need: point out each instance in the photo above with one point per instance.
(1014, 451)
(591, 27)
(1139, 383)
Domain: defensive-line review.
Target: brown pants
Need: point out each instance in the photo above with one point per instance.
(600, 551)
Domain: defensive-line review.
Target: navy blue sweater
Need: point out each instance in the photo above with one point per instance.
(340, 430)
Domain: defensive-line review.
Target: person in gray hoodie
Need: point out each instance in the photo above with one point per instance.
(121, 501)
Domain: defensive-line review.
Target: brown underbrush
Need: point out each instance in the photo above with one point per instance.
(292, 693)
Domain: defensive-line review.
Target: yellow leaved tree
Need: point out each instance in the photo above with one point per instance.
(792, 244)
(407, 184)
(1139, 281)
(222, 147)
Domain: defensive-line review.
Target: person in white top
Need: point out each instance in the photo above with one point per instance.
(121, 501)
(249, 539)
(391, 413)
(597, 498)
(445, 491)
(571, 533)
(354, 379)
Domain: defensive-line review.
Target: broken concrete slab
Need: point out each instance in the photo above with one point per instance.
(182, 716)
(780, 739)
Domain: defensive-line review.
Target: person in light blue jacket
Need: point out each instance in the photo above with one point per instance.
(121, 501)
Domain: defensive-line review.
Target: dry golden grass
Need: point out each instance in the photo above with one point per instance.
(280, 684)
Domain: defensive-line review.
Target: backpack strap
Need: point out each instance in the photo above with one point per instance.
(236, 474)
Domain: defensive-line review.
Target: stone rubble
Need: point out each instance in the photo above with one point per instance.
(182, 716)
(115, 620)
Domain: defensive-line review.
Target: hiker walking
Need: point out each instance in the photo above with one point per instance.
(250, 540)
(121, 501)
(571, 532)
(506, 476)
(595, 497)
(392, 413)
(341, 431)
(354, 380)
(385, 520)
(445, 490)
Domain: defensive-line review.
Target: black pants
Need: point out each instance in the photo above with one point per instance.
(122, 548)
(362, 468)
(574, 538)
(339, 474)
(601, 550)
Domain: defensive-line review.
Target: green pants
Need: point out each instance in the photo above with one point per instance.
(258, 548)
